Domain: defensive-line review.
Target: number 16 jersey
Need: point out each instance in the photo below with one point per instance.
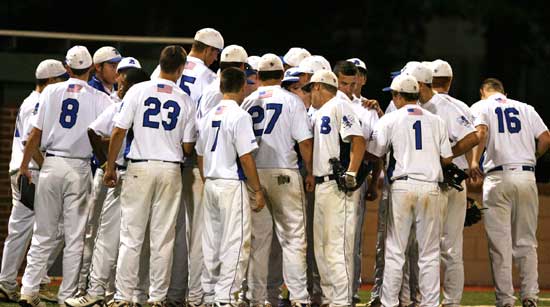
(161, 116)
(65, 111)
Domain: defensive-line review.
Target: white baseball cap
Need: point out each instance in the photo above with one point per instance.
(403, 84)
(78, 57)
(292, 75)
(420, 72)
(270, 62)
(358, 63)
(322, 76)
(312, 64)
(128, 62)
(50, 69)
(253, 61)
(295, 55)
(234, 53)
(441, 68)
(210, 36)
(107, 54)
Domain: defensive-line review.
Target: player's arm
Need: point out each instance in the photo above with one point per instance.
(200, 163)
(253, 180)
(356, 153)
(543, 144)
(188, 149)
(32, 146)
(475, 171)
(38, 157)
(110, 178)
(306, 151)
(465, 144)
(100, 145)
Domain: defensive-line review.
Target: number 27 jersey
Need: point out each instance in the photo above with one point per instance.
(161, 117)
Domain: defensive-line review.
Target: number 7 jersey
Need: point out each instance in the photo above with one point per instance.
(65, 111)
(161, 116)
(513, 128)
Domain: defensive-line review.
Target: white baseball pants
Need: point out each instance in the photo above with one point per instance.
(17, 241)
(287, 213)
(226, 238)
(334, 232)
(150, 193)
(511, 199)
(419, 203)
(96, 200)
(61, 197)
(451, 247)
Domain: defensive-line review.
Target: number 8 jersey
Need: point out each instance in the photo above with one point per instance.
(161, 116)
(65, 111)
(513, 128)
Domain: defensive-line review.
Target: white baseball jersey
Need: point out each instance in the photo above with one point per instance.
(334, 120)
(280, 120)
(104, 124)
(195, 78)
(458, 124)
(367, 118)
(210, 98)
(65, 111)
(226, 134)
(22, 130)
(162, 117)
(460, 104)
(513, 128)
(391, 107)
(416, 139)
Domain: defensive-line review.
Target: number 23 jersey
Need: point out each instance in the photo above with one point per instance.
(65, 111)
(161, 116)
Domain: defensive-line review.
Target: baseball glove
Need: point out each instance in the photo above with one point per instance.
(473, 213)
(347, 183)
(26, 190)
(453, 176)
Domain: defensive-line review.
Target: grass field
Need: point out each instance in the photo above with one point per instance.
(470, 298)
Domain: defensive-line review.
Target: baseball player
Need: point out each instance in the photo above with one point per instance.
(335, 210)
(162, 118)
(21, 217)
(280, 120)
(105, 61)
(509, 188)
(224, 146)
(294, 56)
(65, 111)
(411, 134)
(105, 251)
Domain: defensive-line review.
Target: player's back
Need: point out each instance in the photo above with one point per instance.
(415, 136)
(460, 105)
(225, 134)
(280, 120)
(22, 129)
(66, 110)
(195, 78)
(513, 128)
(210, 97)
(162, 117)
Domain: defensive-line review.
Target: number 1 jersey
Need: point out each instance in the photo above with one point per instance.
(161, 116)
(65, 111)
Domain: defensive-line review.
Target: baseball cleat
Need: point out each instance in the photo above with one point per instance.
(31, 301)
(84, 301)
(529, 302)
(10, 295)
(375, 302)
(119, 303)
(158, 304)
(46, 295)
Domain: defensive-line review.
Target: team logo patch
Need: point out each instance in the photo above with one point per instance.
(463, 121)
(266, 94)
(347, 120)
(35, 111)
(74, 88)
(190, 65)
(414, 111)
(163, 88)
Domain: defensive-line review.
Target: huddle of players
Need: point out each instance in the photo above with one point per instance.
(194, 234)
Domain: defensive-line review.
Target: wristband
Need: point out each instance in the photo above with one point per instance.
(354, 174)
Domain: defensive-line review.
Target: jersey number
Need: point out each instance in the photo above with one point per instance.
(187, 79)
(417, 127)
(154, 109)
(216, 124)
(325, 125)
(69, 112)
(512, 121)
(258, 116)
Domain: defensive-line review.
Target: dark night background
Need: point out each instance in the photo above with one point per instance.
(509, 40)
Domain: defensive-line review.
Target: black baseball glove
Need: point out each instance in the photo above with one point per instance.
(26, 192)
(453, 176)
(347, 183)
(473, 213)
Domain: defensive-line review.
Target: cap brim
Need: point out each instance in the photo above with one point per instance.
(250, 72)
(291, 79)
(114, 60)
(250, 82)
(387, 89)
(395, 73)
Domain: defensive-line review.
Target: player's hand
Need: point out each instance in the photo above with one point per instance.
(372, 104)
(24, 171)
(259, 198)
(350, 180)
(475, 172)
(310, 183)
(372, 193)
(109, 178)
